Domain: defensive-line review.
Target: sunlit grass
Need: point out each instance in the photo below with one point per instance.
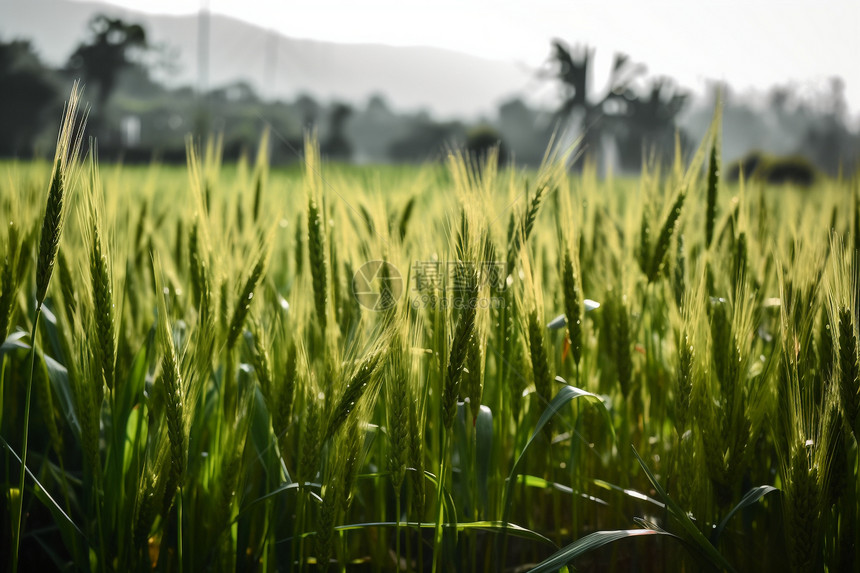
(256, 415)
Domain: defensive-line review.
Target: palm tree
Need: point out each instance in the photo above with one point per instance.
(636, 122)
(648, 122)
(597, 112)
(107, 52)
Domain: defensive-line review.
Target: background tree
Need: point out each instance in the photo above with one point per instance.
(572, 67)
(336, 145)
(309, 110)
(27, 96)
(635, 122)
(828, 141)
(526, 131)
(649, 122)
(481, 139)
(427, 140)
(112, 46)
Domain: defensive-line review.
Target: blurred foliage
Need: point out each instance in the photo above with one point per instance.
(482, 139)
(816, 126)
(27, 98)
(109, 49)
(761, 166)
(632, 117)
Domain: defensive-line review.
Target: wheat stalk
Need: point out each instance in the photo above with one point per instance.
(8, 288)
(473, 380)
(175, 398)
(196, 263)
(246, 296)
(331, 502)
(539, 360)
(68, 146)
(572, 291)
(416, 457)
(351, 450)
(684, 380)
(849, 371)
(712, 188)
(620, 327)
(317, 259)
(299, 254)
(285, 396)
(310, 437)
(101, 280)
(397, 410)
(358, 385)
(52, 225)
(459, 346)
(174, 406)
(803, 512)
(67, 286)
(679, 282)
(661, 247)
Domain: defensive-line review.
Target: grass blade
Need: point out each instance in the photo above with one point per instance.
(751, 497)
(588, 543)
(564, 396)
(483, 449)
(699, 541)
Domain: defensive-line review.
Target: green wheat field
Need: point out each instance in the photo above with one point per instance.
(335, 368)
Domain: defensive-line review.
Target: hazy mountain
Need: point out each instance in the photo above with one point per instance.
(445, 82)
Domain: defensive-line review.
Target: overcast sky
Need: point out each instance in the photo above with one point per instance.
(755, 43)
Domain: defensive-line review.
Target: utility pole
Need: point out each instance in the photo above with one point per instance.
(202, 120)
(270, 64)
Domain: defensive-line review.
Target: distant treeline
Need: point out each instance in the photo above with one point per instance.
(137, 119)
